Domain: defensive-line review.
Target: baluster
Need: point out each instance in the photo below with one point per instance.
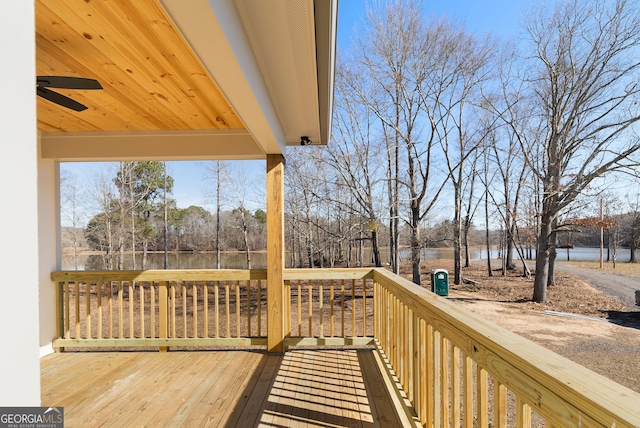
(99, 292)
(120, 310)
(364, 307)
(402, 355)
(310, 308)
(353, 308)
(331, 302)
(152, 308)
(110, 309)
(237, 308)
(248, 285)
(227, 305)
(205, 297)
(259, 308)
(141, 292)
(76, 290)
(183, 290)
(87, 302)
(376, 309)
(67, 315)
(287, 308)
(415, 360)
(424, 376)
(342, 306)
(194, 298)
(216, 295)
(130, 301)
(444, 380)
(174, 331)
(482, 398)
(455, 386)
(430, 395)
(321, 307)
(467, 388)
(523, 414)
(299, 309)
(499, 404)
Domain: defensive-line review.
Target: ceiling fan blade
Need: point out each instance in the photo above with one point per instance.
(59, 99)
(67, 82)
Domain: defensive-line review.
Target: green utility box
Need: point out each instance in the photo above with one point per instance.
(440, 282)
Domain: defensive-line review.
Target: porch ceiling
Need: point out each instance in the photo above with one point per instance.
(185, 80)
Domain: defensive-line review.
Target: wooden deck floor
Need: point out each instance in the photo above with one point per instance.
(303, 388)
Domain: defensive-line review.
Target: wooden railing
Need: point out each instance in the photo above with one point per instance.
(453, 367)
(161, 308)
(210, 308)
(458, 369)
(328, 307)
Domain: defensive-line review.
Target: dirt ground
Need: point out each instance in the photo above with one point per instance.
(579, 322)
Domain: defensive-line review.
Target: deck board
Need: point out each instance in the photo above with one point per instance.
(241, 388)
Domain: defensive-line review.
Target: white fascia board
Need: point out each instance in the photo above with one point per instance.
(99, 146)
(215, 32)
(326, 14)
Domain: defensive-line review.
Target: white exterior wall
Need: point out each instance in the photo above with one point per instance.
(49, 257)
(19, 307)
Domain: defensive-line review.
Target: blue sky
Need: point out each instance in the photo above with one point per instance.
(500, 17)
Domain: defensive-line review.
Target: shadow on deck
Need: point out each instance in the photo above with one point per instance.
(240, 388)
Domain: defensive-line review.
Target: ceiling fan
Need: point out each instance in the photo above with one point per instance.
(64, 82)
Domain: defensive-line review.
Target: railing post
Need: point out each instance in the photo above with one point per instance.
(276, 307)
(163, 312)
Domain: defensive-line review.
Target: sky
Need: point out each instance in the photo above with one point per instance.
(500, 17)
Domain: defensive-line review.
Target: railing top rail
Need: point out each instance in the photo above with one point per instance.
(546, 380)
(328, 273)
(161, 275)
(208, 274)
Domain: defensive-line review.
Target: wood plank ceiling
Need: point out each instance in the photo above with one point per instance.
(152, 80)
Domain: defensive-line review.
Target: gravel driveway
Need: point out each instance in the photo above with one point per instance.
(621, 287)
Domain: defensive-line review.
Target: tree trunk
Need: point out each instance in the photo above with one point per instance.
(508, 244)
(245, 234)
(145, 248)
(415, 245)
(553, 254)
(486, 230)
(375, 249)
(467, 225)
(133, 220)
(166, 220)
(121, 228)
(457, 232)
(542, 260)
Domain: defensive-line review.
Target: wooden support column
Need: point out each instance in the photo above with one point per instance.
(275, 253)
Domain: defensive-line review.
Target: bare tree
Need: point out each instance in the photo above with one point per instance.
(101, 229)
(396, 56)
(456, 65)
(73, 214)
(217, 172)
(582, 74)
(242, 195)
(354, 156)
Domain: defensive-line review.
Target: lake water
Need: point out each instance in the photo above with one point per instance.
(236, 260)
